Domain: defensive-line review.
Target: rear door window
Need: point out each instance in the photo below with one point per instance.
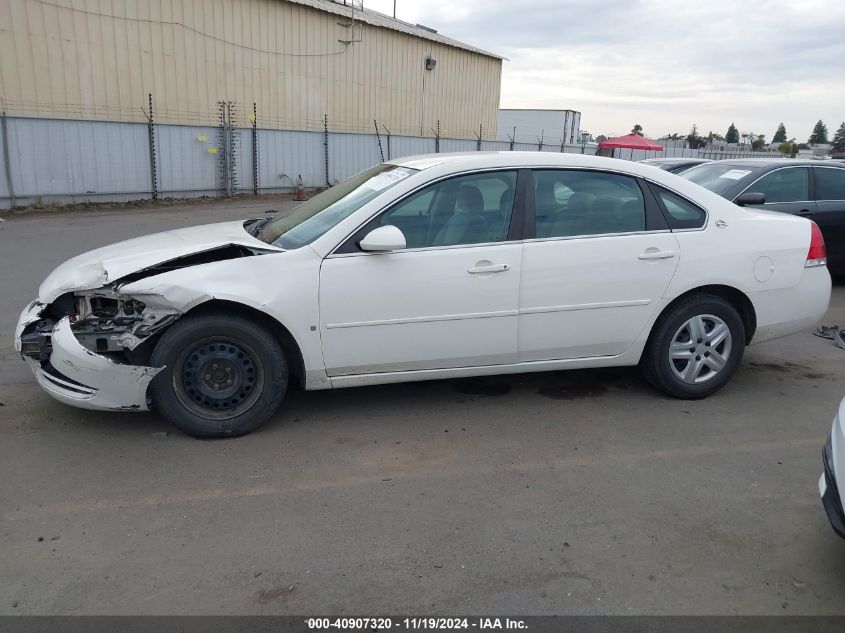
(571, 203)
(830, 183)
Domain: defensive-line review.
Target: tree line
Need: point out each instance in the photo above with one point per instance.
(819, 136)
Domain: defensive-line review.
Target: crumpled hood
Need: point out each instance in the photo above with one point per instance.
(101, 266)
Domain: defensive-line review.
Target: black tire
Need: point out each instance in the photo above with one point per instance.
(664, 372)
(224, 375)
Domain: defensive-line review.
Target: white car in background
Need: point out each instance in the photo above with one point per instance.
(437, 266)
(833, 459)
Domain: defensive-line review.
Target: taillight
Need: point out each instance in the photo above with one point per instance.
(817, 255)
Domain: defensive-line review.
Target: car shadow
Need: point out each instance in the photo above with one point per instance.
(440, 397)
(435, 399)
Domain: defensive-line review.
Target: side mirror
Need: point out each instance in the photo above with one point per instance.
(751, 199)
(383, 239)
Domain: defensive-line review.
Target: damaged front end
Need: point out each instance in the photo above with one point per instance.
(88, 348)
(90, 334)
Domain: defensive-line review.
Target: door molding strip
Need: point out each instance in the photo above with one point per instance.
(426, 319)
(585, 306)
(490, 315)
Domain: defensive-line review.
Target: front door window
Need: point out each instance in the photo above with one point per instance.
(472, 209)
(784, 185)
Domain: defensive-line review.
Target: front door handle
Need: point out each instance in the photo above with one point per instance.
(804, 212)
(489, 268)
(657, 255)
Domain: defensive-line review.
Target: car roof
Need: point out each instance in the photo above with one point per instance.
(773, 162)
(437, 165)
(505, 159)
(674, 159)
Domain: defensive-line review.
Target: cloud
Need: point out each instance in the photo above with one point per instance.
(663, 63)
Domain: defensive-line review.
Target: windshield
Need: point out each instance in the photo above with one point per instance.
(316, 216)
(717, 178)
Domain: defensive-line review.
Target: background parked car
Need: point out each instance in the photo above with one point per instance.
(807, 188)
(675, 165)
(833, 459)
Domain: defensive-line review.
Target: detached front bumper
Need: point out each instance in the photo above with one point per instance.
(75, 375)
(832, 460)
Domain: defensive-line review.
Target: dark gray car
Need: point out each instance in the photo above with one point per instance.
(809, 188)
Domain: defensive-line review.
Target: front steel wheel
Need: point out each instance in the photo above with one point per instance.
(218, 378)
(695, 347)
(224, 375)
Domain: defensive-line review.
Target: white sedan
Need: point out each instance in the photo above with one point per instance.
(833, 461)
(427, 267)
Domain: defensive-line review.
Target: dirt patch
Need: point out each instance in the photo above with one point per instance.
(790, 368)
(264, 596)
(49, 208)
(605, 375)
(572, 385)
(482, 387)
(571, 390)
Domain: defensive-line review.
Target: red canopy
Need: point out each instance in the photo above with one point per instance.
(631, 141)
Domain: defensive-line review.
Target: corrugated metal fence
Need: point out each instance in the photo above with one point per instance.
(63, 161)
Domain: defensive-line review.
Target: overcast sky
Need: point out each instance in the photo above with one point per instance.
(665, 64)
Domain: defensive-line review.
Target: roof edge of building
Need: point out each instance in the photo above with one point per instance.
(382, 20)
(538, 110)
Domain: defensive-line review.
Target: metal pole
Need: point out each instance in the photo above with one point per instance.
(480, 132)
(9, 184)
(254, 149)
(233, 148)
(378, 138)
(227, 151)
(222, 161)
(513, 137)
(437, 139)
(540, 145)
(326, 146)
(388, 141)
(151, 134)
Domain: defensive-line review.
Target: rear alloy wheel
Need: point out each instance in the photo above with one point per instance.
(695, 347)
(700, 349)
(224, 375)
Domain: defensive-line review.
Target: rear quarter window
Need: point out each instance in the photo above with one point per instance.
(680, 213)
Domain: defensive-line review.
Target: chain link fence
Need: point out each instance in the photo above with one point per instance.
(68, 160)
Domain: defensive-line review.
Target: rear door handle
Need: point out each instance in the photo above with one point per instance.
(657, 255)
(491, 268)
(804, 212)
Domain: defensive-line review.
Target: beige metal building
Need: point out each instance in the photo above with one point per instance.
(298, 60)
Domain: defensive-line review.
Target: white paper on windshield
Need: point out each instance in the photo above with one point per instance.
(386, 178)
(736, 174)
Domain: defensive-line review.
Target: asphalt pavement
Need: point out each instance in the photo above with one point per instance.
(582, 492)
